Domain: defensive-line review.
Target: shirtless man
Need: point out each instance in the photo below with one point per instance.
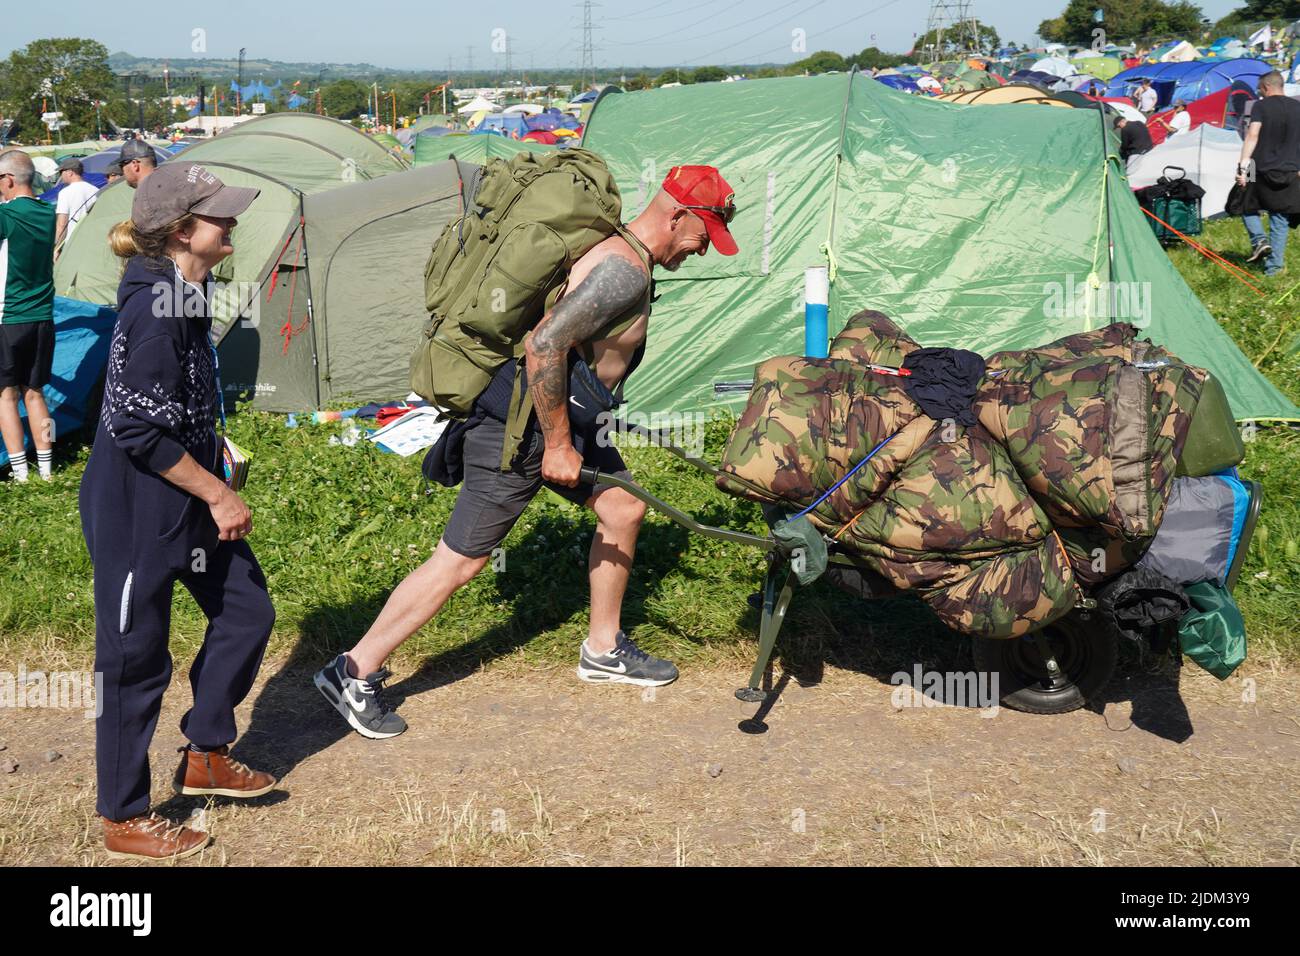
(607, 306)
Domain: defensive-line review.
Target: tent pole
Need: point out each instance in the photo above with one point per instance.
(311, 317)
(829, 246)
(1105, 185)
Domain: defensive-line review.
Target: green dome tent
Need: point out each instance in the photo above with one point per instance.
(471, 147)
(972, 227)
(290, 157)
(369, 243)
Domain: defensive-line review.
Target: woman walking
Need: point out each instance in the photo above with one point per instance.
(156, 509)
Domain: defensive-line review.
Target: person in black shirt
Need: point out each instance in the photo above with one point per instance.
(1134, 138)
(1270, 156)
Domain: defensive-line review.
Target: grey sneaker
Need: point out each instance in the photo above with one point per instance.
(359, 701)
(1260, 250)
(625, 664)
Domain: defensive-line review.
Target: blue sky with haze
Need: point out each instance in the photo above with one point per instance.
(410, 35)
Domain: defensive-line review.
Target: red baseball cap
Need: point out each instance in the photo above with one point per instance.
(703, 191)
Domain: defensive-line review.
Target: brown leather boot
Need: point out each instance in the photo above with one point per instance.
(150, 837)
(214, 774)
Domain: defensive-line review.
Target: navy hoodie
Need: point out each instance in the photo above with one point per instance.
(160, 397)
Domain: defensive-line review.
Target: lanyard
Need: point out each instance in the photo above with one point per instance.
(221, 398)
(216, 364)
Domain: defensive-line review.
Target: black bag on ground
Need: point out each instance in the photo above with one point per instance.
(1175, 200)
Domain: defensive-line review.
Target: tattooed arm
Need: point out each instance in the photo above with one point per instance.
(612, 286)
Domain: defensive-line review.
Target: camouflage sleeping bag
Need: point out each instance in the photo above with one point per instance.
(1062, 480)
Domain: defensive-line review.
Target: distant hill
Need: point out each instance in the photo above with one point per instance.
(228, 67)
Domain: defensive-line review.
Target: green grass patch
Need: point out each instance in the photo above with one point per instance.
(337, 527)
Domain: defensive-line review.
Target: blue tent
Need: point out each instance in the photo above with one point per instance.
(551, 119)
(257, 88)
(99, 162)
(1188, 81)
(587, 97)
(51, 196)
(503, 122)
(95, 169)
(81, 337)
(1047, 81)
(900, 82)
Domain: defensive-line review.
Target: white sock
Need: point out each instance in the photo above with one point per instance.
(18, 463)
(44, 462)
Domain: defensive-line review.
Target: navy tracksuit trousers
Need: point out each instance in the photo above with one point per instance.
(132, 626)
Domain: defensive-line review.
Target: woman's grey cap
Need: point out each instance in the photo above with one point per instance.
(176, 189)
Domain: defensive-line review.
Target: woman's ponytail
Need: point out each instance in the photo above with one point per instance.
(121, 238)
(127, 240)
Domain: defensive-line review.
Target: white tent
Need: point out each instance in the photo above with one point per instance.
(528, 109)
(1127, 110)
(1055, 66)
(478, 104)
(1208, 154)
(1183, 53)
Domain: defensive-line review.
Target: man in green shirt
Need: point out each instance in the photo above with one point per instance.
(26, 312)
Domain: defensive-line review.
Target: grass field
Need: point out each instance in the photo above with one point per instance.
(337, 527)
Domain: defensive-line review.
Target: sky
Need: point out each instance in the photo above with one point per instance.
(427, 36)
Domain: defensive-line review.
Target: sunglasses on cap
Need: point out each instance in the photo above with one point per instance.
(725, 213)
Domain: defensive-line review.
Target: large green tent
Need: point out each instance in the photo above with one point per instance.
(472, 148)
(351, 341)
(285, 155)
(978, 227)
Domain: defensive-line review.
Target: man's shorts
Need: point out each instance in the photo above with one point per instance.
(491, 500)
(26, 354)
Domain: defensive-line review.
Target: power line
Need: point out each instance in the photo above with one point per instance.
(815, 3)
(646, 14)
(676, 35)
(839, 26)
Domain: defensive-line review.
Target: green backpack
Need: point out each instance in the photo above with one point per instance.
(497, 267)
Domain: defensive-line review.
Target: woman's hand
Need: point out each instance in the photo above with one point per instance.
(234, 520)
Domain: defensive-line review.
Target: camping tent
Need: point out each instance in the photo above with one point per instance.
(1212, 109)
(1188, 81)
(471, 148)
(477, 105)
(81, 340)
(1102, 67)
(512, 123)
(1045, 81)
(976, 228)
(1207, 154)
(998, 96)
(975, 80)
(902, 82)
(288, 156)
(1181, 52)
(369, 242)
(1054, 66)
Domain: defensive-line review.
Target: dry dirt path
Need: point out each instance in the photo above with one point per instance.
(513, 765)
